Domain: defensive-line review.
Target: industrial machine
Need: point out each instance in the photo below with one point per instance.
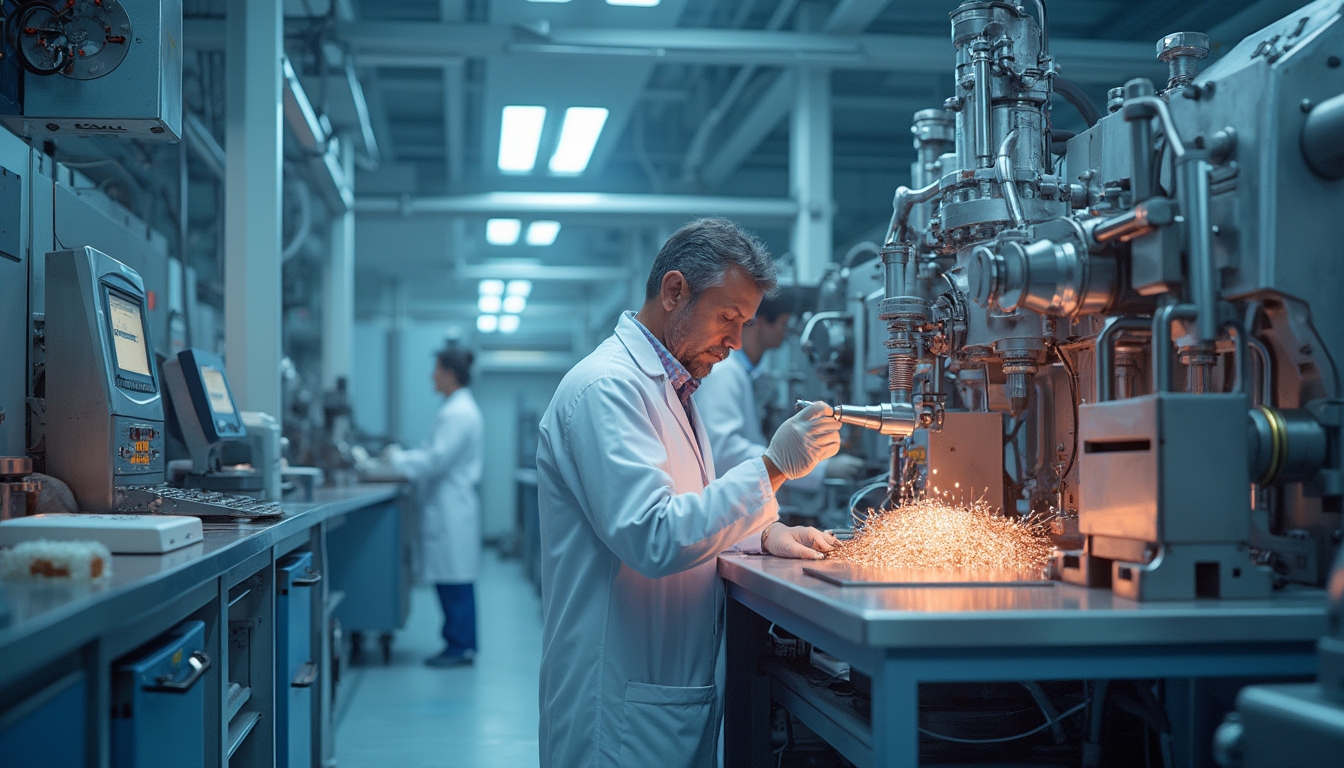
(98, 68)
(1145, 315)
(104, 412)
(105, 425)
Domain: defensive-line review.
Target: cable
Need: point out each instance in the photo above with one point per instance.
(1073, 396)
(1047, 724)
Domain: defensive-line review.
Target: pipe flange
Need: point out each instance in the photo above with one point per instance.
(903, 308)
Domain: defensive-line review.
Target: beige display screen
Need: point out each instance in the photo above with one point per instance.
(218, 390)
(128, 335)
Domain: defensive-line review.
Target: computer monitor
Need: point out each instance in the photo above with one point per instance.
(104, 415)
(130, 348)
(202, 401)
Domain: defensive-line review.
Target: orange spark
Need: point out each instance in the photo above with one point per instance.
(934, 533)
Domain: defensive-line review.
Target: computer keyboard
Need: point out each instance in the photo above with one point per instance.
(166, 499)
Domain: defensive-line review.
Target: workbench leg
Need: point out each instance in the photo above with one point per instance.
(895, 718)
(746, 717)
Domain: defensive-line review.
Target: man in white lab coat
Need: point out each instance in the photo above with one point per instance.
(727, 399)
(446, 471)
(633, 517)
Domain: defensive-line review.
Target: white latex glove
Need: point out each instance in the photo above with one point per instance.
(800, 443)
(391, 452)
(844, 467)
(802, 542)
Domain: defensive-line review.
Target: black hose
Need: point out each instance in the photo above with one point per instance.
(1080, 101)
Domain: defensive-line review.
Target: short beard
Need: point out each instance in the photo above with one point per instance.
(677, 330)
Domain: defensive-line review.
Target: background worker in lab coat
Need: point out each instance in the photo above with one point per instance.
(633, 515)
(446, 470)
(727, 398)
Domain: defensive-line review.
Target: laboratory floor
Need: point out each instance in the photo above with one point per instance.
(411, 716)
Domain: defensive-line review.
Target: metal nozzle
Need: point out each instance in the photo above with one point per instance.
(894, 419)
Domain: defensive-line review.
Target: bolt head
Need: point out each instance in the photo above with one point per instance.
(1194, 44)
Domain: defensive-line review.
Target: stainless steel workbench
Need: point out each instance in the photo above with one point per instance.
(46, 629)
(902, 637)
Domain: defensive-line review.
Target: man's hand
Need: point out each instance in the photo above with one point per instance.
(844, 467)
(803, 441)
(801, 542)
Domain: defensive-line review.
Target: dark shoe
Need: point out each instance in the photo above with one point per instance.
(450, 658)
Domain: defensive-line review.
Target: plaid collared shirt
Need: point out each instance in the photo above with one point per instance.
(682, 382)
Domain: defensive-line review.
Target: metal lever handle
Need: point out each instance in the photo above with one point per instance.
(307, 581)
(199, 663)
(306, 676)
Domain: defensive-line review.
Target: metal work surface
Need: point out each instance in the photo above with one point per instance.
(902, 637)
(1066, 615)
(42, 620)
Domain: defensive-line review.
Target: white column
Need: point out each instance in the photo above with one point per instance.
(252, 300)
(338, 292)
(810, 172)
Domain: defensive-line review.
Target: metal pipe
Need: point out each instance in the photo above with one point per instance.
(1003, 171)
(901, 205)
(1143, 177)
(1193, 186)
(1104, 351)
(982, 106)
(1164, 115)
(1162, 342)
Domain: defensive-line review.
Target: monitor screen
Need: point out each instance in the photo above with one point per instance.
(217, 389)
(128, 334)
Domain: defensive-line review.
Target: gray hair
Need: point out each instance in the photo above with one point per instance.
(703, 251)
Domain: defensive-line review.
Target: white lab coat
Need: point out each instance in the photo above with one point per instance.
(727, 398)
(632, 519)
(446, 471)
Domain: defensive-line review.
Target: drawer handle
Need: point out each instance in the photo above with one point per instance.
(312, 578)
(307, 675)
(199, 664)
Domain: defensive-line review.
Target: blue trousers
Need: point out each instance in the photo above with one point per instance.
(459, 616)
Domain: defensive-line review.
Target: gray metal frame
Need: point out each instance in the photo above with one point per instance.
(904, 637)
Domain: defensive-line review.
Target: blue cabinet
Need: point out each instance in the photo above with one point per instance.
(47, 727)
(296, 670)
(158, 702)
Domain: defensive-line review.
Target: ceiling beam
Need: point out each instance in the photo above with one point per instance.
(599, 205)
(430, 44)
(540, 273)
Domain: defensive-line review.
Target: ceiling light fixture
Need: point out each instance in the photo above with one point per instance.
(487, 323)
(519, 288)
(515, 304)
(489, 305)
(491, 288)
(542, 232)
(508, 324)
(519, 135)
(502, 231)
(578, 138)
(639, 3)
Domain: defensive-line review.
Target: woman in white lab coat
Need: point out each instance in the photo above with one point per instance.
(446, 470)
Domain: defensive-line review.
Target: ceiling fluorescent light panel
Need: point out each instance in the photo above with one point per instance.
(519, 135)
(578, 137)
(542, 232)
(503, 231)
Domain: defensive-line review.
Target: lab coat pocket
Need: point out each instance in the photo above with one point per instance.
(667, 726)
